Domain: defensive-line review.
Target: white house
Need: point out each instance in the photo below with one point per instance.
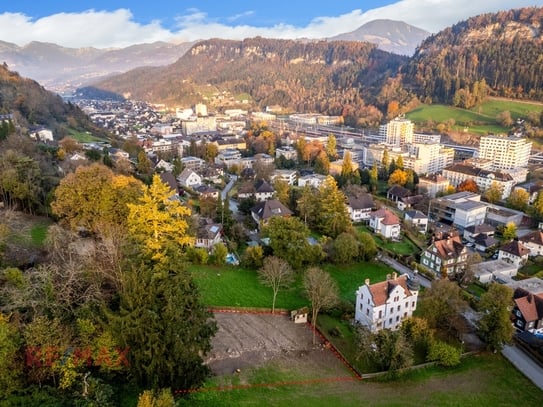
(313, 180)
(360, 207)
(386, 304)
(189, 178)
(289, 176)
(208, 235)
(514, 253)
(534, 242)
(386, 223)
(417, 219)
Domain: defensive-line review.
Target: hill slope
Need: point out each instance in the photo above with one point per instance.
(503, 49)
(303, 76)
(389, 35)
(32, 105)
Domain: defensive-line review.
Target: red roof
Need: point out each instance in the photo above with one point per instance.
(388, 217)
(380, 291)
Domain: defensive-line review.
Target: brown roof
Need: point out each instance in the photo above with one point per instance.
(267, 209)
(399, 191)
(361, 201)
(381, 291)
(478, 172)
(515, 248)
(388, 217)
(531, 306)
(534, 237)
(449, 248)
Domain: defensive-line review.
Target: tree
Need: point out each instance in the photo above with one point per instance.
(387, 349)
(504, 118)
(93, 196)
(333, 217)
(367, 247)
(495, 326)
(211, 151)
(399, 162)
(398, 177)
(220, 252)
(157, 221)
(252, 257)
(162, 321)
(322, 164)
(443, 353)
(494, 193)
(20, 181)
(383, 172)
(144, 164)
(331, 147)
(344, 248)
(282, 190)
(509, 232)
(277, 274)
(288, 240)
(322, 291)
(12, 367)
(442, 305)
(307, 205)
(468, 185)
(518, 199)
(162, 398)
(374, 177)
(347, 165)
(538, 206)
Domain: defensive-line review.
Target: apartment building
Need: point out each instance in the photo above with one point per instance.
(398, 131)
(462, 209)
(458, 173)
(506, 152)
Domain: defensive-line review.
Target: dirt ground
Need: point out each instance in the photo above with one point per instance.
(251, 340)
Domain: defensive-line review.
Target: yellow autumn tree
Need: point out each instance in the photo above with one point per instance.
(159, 220)
(398, 177)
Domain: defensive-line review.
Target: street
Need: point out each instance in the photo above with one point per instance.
(525, 364)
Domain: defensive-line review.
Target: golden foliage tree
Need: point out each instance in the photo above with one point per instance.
(157, 221)
(398, 177)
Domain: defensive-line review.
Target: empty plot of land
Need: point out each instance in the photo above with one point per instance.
(251, 340)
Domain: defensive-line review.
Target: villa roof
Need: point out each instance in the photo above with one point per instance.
(449, 248)
(388, 217)
(380, 291)
(534, 237)
(268, 209)
(361, 201)
(515, 248)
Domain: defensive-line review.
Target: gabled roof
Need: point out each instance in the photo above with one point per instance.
(534, 237)
(399, 191)
(361, 201)
(263, 187)
(482, 228)
(450, 248)
(187, 172)
(515, 248)
(380, 291)
(530, 305)
(415, 214)
(209, 230)
(484, 240)
(169, 179)
(388, 217)
(268, 209)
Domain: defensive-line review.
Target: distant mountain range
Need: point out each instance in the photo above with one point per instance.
(59, 68)
(392, 36)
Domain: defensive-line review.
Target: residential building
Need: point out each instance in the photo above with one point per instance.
(433, 185)
(458, 173)
(493, 270)
(204, 123)
(360, 206)
(446, 256)
(228, 158)
(385, 223)
(313, 180)
(514, 253)
(506, 152)
(427, 158)
(528, 311)
(206, 191)
(533, 189)
(417, 220)
(261, 191)
(287, 152)
(500, 216)
(396, 192)
(398, 131)
(337, 166)
(288, 176)
(189, 179)
(230, 142)
(262, 212)
(471, 232)
(462, 209)
(169, 179)
(534, 242)
(386, 304)
(193, 163)
(208, 234)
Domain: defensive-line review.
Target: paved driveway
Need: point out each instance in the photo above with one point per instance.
(525, 364)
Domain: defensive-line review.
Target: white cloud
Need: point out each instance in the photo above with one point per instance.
(117, 28)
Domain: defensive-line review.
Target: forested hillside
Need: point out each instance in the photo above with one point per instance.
(33, 105)
(301, 76)
(502, 50)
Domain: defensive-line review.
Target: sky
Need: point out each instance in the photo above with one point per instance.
(120, 23)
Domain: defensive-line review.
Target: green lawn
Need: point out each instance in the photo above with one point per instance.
(84, 137)
(478, 120)
(404, 247)
(484, 380)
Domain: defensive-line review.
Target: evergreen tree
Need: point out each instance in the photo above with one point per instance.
(163, 323)
(333, 217)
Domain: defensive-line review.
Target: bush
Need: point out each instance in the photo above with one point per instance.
(197, 255)
(443, 353)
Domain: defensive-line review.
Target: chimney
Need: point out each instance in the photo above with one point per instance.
(394, 276)
(367, 281)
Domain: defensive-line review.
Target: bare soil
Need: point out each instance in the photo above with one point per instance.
(246, 341)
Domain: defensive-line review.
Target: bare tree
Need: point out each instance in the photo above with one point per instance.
(321, 290)
(275, 273)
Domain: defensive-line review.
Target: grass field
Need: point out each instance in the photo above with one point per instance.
(84, 137)
(479, 120)
(484, 380)
(238, 287)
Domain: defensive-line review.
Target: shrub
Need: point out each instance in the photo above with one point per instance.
(443, 353)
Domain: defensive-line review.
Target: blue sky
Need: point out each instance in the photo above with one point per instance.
(116, 23)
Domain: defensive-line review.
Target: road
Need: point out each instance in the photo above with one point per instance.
(400, 268)
(233, 205)
(525, 364)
